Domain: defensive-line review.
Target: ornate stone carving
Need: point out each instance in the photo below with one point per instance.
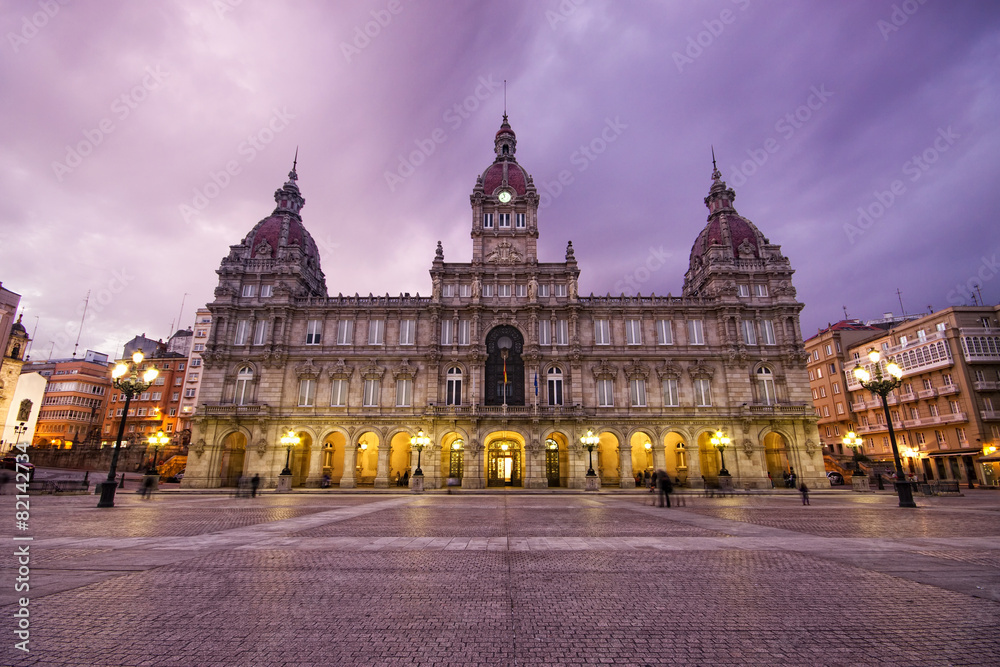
(810, 446)
(605, 370)
(341, 370)
(404, 370)
(636, 370)
(504, 253)
(668, 370)
(747, 447)
(199, 447)
(308, 370)
(700, 369)
(263, 250)
(373, 370)
(261, 446)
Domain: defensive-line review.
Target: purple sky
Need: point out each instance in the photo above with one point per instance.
(833, 100)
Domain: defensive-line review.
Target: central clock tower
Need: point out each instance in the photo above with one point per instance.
(504, 207)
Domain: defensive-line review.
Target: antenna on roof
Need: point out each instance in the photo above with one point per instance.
(505, 98)
(83, 318)
(900, 295)
(714, 168)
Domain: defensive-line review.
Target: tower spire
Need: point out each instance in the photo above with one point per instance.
(716, 174)
(293, 174)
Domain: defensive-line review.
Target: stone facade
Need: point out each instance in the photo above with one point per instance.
(505, 365)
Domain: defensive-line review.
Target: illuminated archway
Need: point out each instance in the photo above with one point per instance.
(234, 450)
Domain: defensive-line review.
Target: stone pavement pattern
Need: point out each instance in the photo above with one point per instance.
(505, 579)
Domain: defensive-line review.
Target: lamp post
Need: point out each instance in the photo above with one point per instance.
(880, 385)
(854, 441)
(419, 441)
(289, 440)
(590, 441)
(156, 441)
(125, 378)
(19, 430)
(720, 441)
(649, 454)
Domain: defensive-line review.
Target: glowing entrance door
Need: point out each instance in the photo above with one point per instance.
(504, 464)
(552, 462)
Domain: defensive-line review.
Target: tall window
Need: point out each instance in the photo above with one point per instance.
(404, 392)
(637, 392)
(338, 395)
(743, 290)
(504, 219)
(544, 332)
(314, 332)
(606, 393)
(520, 220)
(453, 394)
(376, 332)
(703, 392)
(242, 332)
(765, 386)
(259, 332)
(671, 399)
(406, 331)
(560, 290)
(503, 290)
(664, 333)
(446, 332)
(307, 392)
(266, 290)
(562, 332)
(488, 220)
(633, 332)
(244, 386)
(749, 333)
(248, 290)
(543, 290)
(602, 332)
(767, 332)
(555, 386)
(370, 398)
(345, 332)
(464, 329)
(447, 290)
(696, 333)
(760, 290)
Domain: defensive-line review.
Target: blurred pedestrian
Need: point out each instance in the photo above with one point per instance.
(665, 487)
(147, 487)
(804, 490)
(254, 485)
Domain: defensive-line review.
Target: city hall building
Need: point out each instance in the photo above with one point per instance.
(505, 366)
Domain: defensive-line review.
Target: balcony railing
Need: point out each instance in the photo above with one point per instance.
(948, 390)
(990, 415)
(927, 393)
(986, 386)
(256, 410)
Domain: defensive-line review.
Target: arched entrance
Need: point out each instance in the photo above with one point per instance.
(676, 456)
(708, 457)
(333, 456)
(504, 461)
(776, 457)
(608, 463)
(452, 457)
(504, 367)
(399, 458)
(366, 459)
(234, 454)
(642, 454)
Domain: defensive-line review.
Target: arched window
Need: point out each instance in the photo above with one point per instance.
(765, 386)
(454, 393)
(244, 386)
(555, 386)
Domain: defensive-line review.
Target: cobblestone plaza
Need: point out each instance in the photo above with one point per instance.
(554, 578)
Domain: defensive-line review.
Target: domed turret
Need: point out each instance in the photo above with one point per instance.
(279, 244)
(730, 248)
(505, 172)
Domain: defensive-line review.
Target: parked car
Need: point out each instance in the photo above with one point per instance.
(10, 463)
(836, 479)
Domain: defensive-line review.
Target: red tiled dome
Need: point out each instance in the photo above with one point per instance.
(494, 177)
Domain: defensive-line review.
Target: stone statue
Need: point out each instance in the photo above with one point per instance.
(532, 289)
(572, 288)
(436, 290)
(477, 288)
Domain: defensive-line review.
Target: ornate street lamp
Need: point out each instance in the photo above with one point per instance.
(126, 378)
(156, 442)
(881, 385)
(289, 440)
(590, 441)
(720, 441)
(854, 441)
(19, 430)
(419, 441)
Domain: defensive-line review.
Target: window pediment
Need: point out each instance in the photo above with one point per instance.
(341, 370)
(605, 371)
(700, 369)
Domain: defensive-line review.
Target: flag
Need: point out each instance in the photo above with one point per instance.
(505, 375)
(536, 384)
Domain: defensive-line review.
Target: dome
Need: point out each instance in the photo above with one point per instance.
(17, 329)
(505, 173)
(726, 228)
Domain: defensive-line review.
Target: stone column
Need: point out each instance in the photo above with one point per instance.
(626, 480)
(349, 480)
(694, 466)
(659, 458)
(315, 475)
(382, 467)
(577, 466)
(473, 468)
(534, 477)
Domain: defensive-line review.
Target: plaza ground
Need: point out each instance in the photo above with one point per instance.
(507, 579)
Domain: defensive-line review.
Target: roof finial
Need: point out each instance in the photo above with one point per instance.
(716, 175)
(293, 175)
(505, 100)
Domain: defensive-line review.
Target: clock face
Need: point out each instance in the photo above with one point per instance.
(504, 197)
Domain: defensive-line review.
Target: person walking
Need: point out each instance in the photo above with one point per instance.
(147, 487)
(254, 485)
(665, 486)
(804, 490)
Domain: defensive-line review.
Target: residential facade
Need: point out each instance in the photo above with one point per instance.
(505, 366)
(75, 398)
(192, 382)
(946, 413)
